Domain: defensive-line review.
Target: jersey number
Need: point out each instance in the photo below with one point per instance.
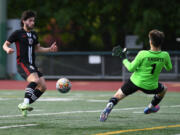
(153, 68)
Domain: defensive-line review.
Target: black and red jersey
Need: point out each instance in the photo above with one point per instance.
(25, 45)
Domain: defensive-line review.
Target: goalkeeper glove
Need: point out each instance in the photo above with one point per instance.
(118, 51)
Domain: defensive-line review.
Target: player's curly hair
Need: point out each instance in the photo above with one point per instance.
(156, 37)
(27, 14)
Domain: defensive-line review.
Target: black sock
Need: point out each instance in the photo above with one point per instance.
(156, 100)
(29, 92)
(114, 100)
(37, 93)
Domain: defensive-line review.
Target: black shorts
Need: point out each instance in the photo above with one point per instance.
(25, 70)
(129, 88)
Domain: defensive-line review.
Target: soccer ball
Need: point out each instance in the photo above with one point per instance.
(63, 85)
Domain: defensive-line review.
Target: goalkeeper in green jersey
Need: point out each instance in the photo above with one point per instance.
(146, 68)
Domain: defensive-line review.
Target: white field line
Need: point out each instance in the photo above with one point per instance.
(94, 100)
(38, 110)
(16, 126)
(175, 106)
(57, 99)
(6, 99)
(73, 112)
(139, 112)
(50, 99)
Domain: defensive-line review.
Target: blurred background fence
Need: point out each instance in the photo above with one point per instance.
(94, 65)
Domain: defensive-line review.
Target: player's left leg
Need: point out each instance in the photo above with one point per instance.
(41, 88)
(42, 85)
(153, 106)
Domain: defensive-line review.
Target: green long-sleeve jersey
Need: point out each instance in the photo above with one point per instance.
(146, 68)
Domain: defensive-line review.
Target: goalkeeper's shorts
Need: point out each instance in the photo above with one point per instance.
(129, 88)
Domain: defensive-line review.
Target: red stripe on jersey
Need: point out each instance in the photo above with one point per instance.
(18, 52)
(25, 69)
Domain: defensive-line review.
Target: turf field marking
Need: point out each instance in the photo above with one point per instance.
(134, 130)
(16, 126)
(93, 100)
(175, 106)
(6, 99)
(72, 112)
(139, 112)
(38, 110)
(49, 99)
(56, 99)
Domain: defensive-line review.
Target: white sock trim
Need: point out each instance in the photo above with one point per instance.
(26, 100)
(150, 105)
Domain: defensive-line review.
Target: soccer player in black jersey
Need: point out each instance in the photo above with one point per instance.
(27, 44)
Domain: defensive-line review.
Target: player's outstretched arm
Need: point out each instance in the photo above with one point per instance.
(52, 48)
(132, 66)
(6, 47)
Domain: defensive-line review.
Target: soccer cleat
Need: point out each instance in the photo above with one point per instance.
(148, 110)
(24, 108)
(24, 113)
(106, 112)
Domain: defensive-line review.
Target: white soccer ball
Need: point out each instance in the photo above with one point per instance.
(63, 85)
